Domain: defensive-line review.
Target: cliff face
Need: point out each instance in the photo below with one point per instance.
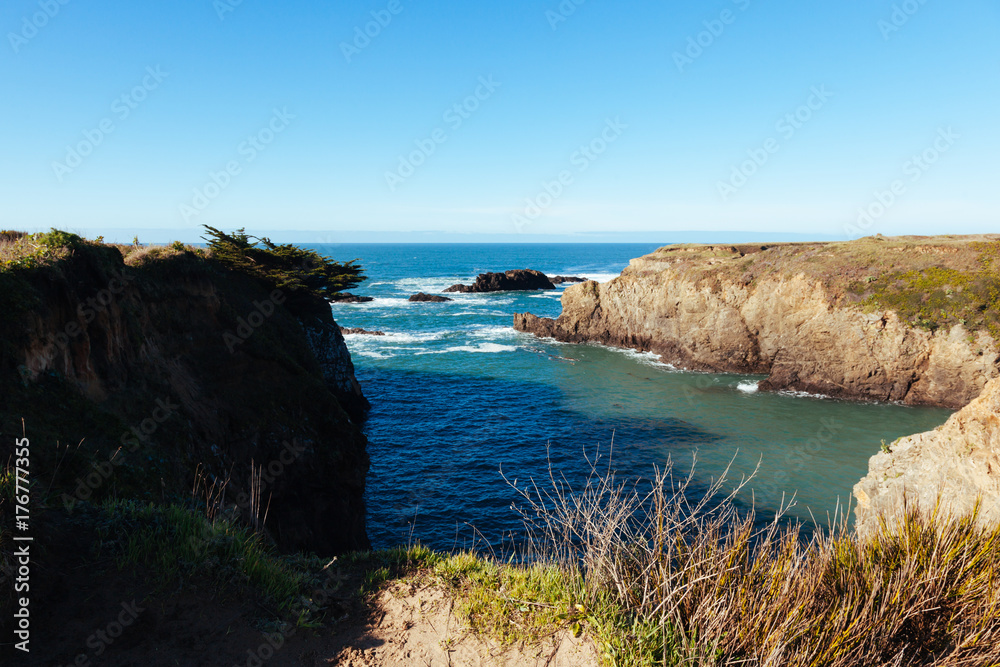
(170, 365)
(948, 468)
(774, 311)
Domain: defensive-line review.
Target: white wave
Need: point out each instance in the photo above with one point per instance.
(373, 354)
(802, 394)
(430, 284)
(747, 387)
(481, 312)
(492, 332)
(487, 348)
(546, 295)
(646, 358)
(398, 337)
(485, 298)
(600, 277)
(390, 302)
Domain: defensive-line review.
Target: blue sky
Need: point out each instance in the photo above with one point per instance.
(678, 135)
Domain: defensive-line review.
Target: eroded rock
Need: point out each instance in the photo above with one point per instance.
(508, 281)
(950, 467)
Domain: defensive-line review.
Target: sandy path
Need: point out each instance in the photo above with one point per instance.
(417, 626)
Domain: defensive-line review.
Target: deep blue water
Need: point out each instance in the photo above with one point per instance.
(458, 394)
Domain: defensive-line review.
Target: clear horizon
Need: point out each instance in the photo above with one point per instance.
(521, 120)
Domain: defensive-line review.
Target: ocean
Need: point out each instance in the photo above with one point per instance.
(458, 396)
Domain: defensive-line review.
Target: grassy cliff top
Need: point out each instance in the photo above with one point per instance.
(930, 281)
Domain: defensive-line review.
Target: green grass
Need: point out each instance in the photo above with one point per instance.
(938, 296)
(513, 603)
(931, 282)
(173, 544)
(380, 567)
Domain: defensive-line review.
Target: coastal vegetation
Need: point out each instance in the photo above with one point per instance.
(655, 573)
(931, 282)
(650, 576)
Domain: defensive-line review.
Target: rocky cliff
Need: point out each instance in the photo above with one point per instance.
(948, 469)
(135, 376)
(904, 319)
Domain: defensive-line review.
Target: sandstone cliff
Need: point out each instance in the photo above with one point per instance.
(905, 319)
(131, 376)
(947, 469)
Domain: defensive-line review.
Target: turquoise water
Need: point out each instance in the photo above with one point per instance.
(458, 394)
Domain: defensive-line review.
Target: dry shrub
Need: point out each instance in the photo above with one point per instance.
(716, 587)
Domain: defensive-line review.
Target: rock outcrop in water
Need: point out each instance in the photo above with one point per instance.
(352, 298)
(810, 316)
(948, 468)
(430, 298)
(351, 331)
(509, 281)
(169, 364)
(559, 280)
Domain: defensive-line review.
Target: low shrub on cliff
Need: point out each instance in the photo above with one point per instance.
(939, 296)
(24, 251)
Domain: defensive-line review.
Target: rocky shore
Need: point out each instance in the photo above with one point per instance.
(799, 313)
(904, 319)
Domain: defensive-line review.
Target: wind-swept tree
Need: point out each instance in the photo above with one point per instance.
(285, 266)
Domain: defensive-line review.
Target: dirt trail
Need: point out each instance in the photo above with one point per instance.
(418, 626)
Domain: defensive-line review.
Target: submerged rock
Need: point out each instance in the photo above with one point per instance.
(359, 331)
(351, 298)
(433, 298)
(508, 281)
